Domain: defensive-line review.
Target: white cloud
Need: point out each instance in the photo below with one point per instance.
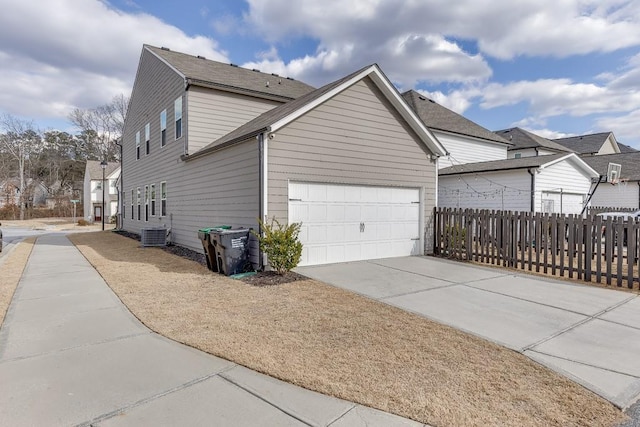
(548, 133)
(61, 54)
(503, 29)
(626, 127)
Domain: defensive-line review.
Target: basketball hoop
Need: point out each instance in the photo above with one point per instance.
(613, 173)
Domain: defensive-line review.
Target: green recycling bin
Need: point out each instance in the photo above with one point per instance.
(209, 249)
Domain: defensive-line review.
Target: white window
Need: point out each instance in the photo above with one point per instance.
(517, 156)
(132, 193)
(163, 128)
(146, 203)
(147, 138)
(138, 200)
(138, 145)
(178, 115)
(153, 200)
(98, 185)
(163, 199)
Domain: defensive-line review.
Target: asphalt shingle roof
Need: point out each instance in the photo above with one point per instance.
(435, 116)
(626, 149)
(498, 165)
(584, 144)
(95, 170)
(522, 139)
(630, 163)
(203, 72)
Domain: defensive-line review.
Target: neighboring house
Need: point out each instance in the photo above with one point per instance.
(625, 193)
(591, 145)
(350, 160)
(557, 183)
(464, 140)
(37, 193)
(527, 144)
(92, 193)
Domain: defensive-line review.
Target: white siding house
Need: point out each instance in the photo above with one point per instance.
(92, 191)
(625, 192)
(464, 140)
(558, 183)
(351, 160)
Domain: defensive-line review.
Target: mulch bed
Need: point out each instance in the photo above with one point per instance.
(261, 278)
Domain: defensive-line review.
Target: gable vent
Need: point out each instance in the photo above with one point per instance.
(153, 237)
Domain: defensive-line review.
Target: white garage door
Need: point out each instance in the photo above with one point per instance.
(349, 223)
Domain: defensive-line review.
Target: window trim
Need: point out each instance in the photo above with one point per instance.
(163, 198)
(152, 191)
(147, 139)
(138, 195)
(177, 114)
(138, 145)
(163, 128)
(146, 203)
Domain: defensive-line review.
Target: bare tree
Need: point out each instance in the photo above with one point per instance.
(101, 127)
(21, 142)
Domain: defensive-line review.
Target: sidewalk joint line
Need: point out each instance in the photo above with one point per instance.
(343, 415)
(255, 394)
(582, 322)
(151, 398)
(62, 350)
(450, 285)
(585, 364)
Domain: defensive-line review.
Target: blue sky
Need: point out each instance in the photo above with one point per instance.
(556, 68)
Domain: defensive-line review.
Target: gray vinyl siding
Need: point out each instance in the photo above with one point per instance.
(213, 114)
(354, 138)
(220, 188)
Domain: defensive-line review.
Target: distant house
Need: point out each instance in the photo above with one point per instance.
(528, 144)
(558, 183)
(591, 145)
(464, 140)
(92, 190)
(207, 143)
(36, 192)
(625, 192)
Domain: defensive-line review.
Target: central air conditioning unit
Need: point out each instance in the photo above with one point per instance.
(153, 237)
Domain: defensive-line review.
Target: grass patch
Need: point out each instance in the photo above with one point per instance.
(342, 344)
(11, 271)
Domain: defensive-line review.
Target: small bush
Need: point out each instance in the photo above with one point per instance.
(280, 243)
(82, 222)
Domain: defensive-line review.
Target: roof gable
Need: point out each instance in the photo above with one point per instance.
(284, 114)
(435, 116)
(537, 162)
(588, 144)
(522, 139)
(199, 71)
(94, 170)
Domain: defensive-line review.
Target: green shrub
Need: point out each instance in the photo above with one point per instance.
(280, 243)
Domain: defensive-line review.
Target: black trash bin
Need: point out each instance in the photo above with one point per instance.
(209, 249)
(232, 250)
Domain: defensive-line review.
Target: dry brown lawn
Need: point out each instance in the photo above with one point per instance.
(338, 343)
(11, 270)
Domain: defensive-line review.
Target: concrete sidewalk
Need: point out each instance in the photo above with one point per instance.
(72, 354)
(589, 334)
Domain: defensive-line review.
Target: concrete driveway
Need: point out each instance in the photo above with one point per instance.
(72, 354)
(588, 334)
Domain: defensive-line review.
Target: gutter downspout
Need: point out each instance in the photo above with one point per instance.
(262, 198)
(533, 189)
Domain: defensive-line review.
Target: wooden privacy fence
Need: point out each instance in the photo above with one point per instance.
(591, 249)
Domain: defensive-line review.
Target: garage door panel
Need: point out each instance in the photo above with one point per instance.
(348, 223)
